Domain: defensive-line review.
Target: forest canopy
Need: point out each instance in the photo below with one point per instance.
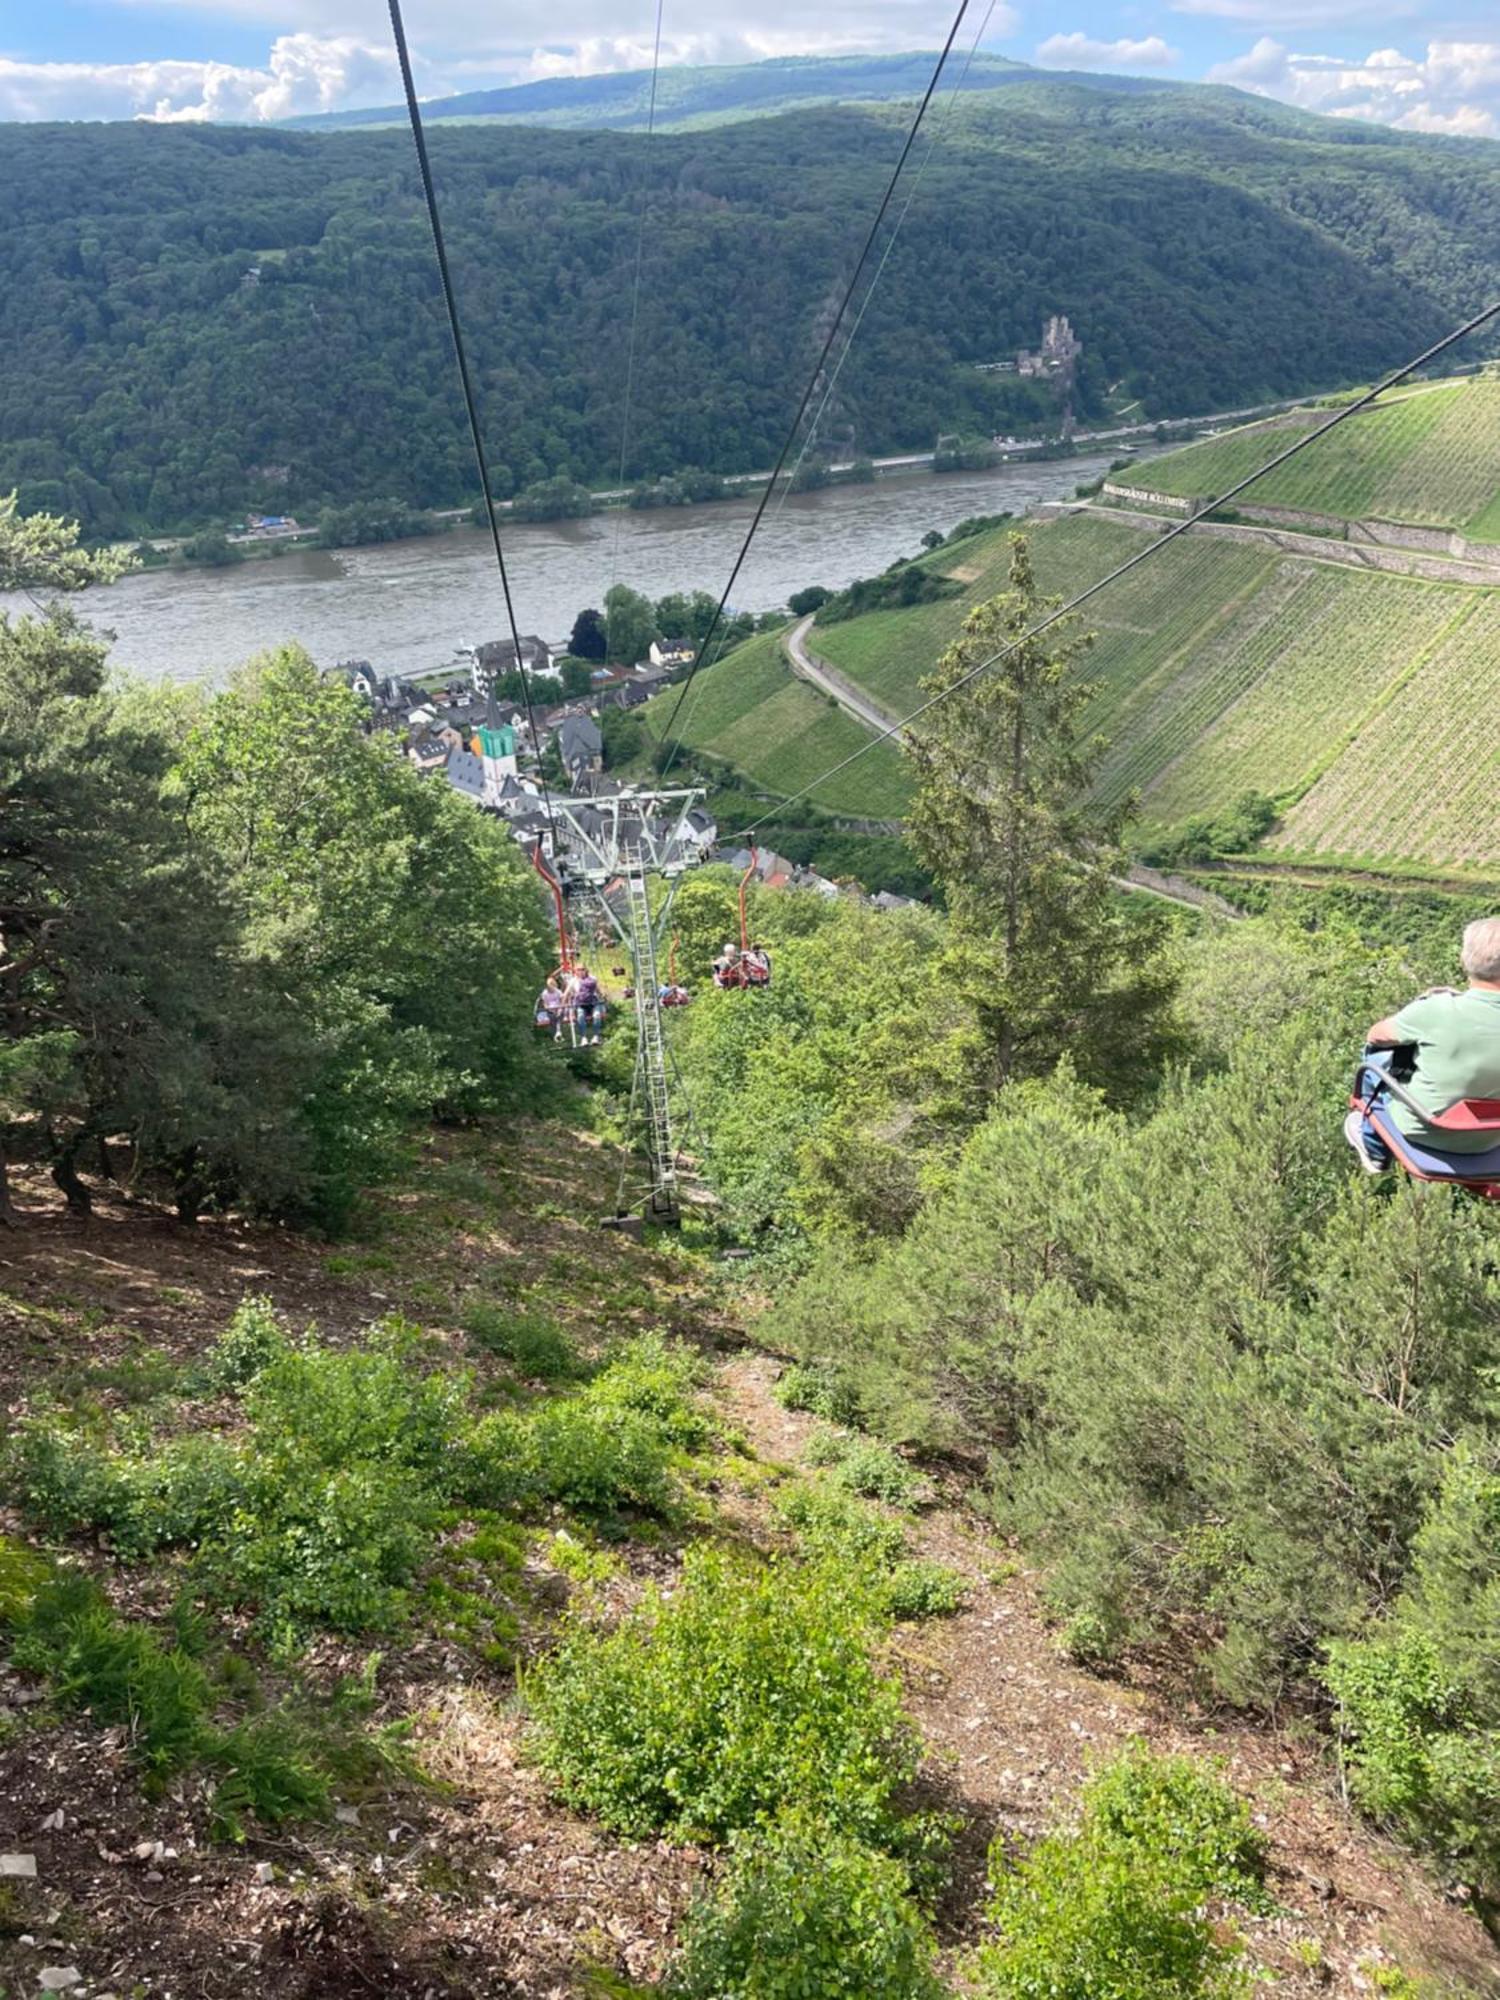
(200, 321)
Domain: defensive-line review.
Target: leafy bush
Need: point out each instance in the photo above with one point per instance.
(1115, 1910)
(597, 1458)
(830, 1523)
(71, 1482)
(655, 1378)
(532, 1342)
(866, 1467)
(313, 1545)
(372, 1402)
(802, 1912)
(922, 1590)
(254, 1337)
(824, 1389)
(704, 1713)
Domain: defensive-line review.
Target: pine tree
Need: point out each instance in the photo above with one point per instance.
(1003, 814)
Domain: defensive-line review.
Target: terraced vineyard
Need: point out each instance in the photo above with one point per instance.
(1224, 668)
(782, 733)
(1422, 782)
(1221, 667)
(1430, 457)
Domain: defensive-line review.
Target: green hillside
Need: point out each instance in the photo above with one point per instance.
(699, 94)
(1429, 456)
(1224, 668)
(198, 320)
(782, 733)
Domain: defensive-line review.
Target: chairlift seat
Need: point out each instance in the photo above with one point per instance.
(1374, 1090)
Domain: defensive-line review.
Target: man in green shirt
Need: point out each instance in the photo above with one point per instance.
(1456, 1041)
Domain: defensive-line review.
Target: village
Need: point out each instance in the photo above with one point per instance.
(505, 757)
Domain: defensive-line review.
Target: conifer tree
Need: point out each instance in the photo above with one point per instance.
(1003, 815)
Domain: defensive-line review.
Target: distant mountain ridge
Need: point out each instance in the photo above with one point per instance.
(713, 94)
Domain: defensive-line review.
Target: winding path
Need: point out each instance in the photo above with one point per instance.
(808, 666)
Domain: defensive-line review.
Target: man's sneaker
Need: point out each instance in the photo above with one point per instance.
(1354, 1132)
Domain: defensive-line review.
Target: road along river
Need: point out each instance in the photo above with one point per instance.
(407, 606)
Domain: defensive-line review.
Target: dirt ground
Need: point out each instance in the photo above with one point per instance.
(476, 1884)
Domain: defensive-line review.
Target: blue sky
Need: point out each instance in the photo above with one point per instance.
(1421, 66)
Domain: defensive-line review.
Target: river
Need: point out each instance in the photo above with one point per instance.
(408, 606)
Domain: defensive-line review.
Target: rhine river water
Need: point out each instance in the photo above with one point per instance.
(408, 606)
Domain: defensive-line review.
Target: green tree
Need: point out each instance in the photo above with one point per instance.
(1002, 816)
(401, 922)
(587, 639)
(630, 624)
(124, 1010)
(40, 551)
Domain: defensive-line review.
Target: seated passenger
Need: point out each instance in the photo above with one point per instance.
(729, 969)
(757, 963)
(588, 1006)
(673, 995)
(550, 1006)
(1455, 1039)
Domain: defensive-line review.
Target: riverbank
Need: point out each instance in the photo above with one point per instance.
(267, 543)
(407, 606)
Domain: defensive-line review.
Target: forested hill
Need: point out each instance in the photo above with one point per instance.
(696, 94)
(196, 320)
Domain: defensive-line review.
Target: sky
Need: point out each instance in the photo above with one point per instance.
(1421, 65)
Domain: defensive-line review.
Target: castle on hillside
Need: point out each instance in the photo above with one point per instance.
(1058, 354)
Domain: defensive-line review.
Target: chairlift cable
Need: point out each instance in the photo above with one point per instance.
(635, 299)
(1167, 536)
(911, 194)
(455, 328)
(812, 381)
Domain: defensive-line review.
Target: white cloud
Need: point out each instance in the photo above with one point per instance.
(303, 73)
(597, 55)
(1083, 52)
(1454, 87)
(336, 61)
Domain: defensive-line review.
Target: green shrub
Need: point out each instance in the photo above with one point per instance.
(828, 1523)
(655, 1378)
(254, 1337)
(312, 1546)
(802, 1914)
(866, 1467)
(704, 1713)
(533, 1342)
(823, 1389)
(371, 1402)
(1419, 1758)
(921, 1590)
(599, 1459)
(1115, 1910)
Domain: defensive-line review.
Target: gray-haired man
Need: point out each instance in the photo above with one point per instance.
(1456, 1039)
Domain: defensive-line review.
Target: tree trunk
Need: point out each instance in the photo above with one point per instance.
(65, 1174)
(10, 1217)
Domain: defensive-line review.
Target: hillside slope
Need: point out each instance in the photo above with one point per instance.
(1356, 698)
(200, 320)
(684, 95)
(1429, 456)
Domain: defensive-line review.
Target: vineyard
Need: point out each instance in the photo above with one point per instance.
(1422, 782)
(748, 710)
(1430, 457)
(1220, 667)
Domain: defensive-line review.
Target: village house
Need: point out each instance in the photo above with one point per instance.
(497, 657)
(580, 745)
(669, 654)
